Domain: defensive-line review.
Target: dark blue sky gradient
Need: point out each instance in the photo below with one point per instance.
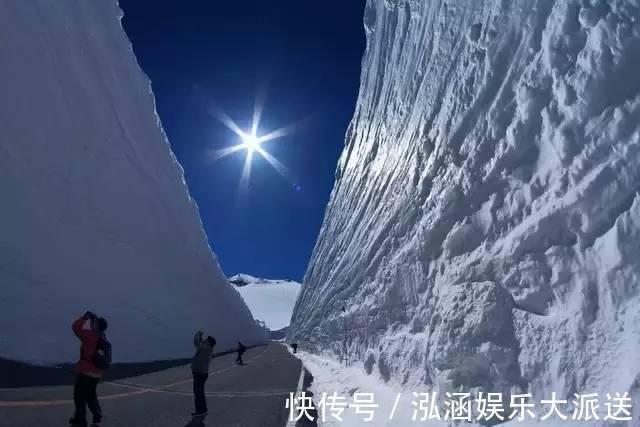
(199, 53)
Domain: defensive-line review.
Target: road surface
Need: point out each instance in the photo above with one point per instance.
(249, 395)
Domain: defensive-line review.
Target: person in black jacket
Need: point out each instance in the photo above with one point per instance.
(200, 370)
(241, 350)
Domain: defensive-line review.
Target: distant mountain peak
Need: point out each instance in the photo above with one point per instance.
(270, 301)
(242, 279)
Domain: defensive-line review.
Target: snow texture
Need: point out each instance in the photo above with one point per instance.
(331, 377)
(95, 211)
(396, 406)
(484, 228)
(270, 301)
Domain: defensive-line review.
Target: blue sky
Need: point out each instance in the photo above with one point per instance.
(306, 56)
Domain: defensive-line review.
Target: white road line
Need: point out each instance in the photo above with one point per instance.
(139, 389)
(290, 422)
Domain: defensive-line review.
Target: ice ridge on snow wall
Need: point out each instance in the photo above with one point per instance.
(484, 227)
(95, 212)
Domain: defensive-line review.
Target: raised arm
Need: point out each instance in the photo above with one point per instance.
(78, 327)
(197, 339)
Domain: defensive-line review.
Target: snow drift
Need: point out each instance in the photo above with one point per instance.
(95, 212)
(484, 227)
(270, 301)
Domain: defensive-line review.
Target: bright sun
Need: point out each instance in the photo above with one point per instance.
(251, 142)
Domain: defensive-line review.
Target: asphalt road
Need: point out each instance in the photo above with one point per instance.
(250, 395)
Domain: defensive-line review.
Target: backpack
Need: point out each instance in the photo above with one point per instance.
(102, 356)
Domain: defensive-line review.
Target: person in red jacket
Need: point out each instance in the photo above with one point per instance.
(87, 374)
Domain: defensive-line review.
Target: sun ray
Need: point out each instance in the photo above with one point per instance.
(224, 152)
(258, 107)
(283, 131)
(224, 118)
(277, 164)
(246, 173)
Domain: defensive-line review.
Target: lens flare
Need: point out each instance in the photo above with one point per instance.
(252, 142)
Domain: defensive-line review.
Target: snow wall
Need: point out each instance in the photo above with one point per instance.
(484, 227)
(95, 213)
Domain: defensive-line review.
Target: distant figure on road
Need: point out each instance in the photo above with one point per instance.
(294, 346)
(200, 370)
(95, 357)
(241, 350)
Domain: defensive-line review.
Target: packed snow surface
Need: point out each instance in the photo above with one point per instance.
(331, 378)
(95, 212)
(270, 301)
(484, 228)
(395, 406)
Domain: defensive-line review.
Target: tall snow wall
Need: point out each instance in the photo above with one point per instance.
(484, 227)
(95, 214)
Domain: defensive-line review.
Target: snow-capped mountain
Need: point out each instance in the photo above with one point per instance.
(95, 212)
(484, 227)
(270, 301)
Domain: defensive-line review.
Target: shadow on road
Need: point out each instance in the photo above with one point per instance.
(15, 374)
(253, 395)
(306, 385)
(195, 422)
